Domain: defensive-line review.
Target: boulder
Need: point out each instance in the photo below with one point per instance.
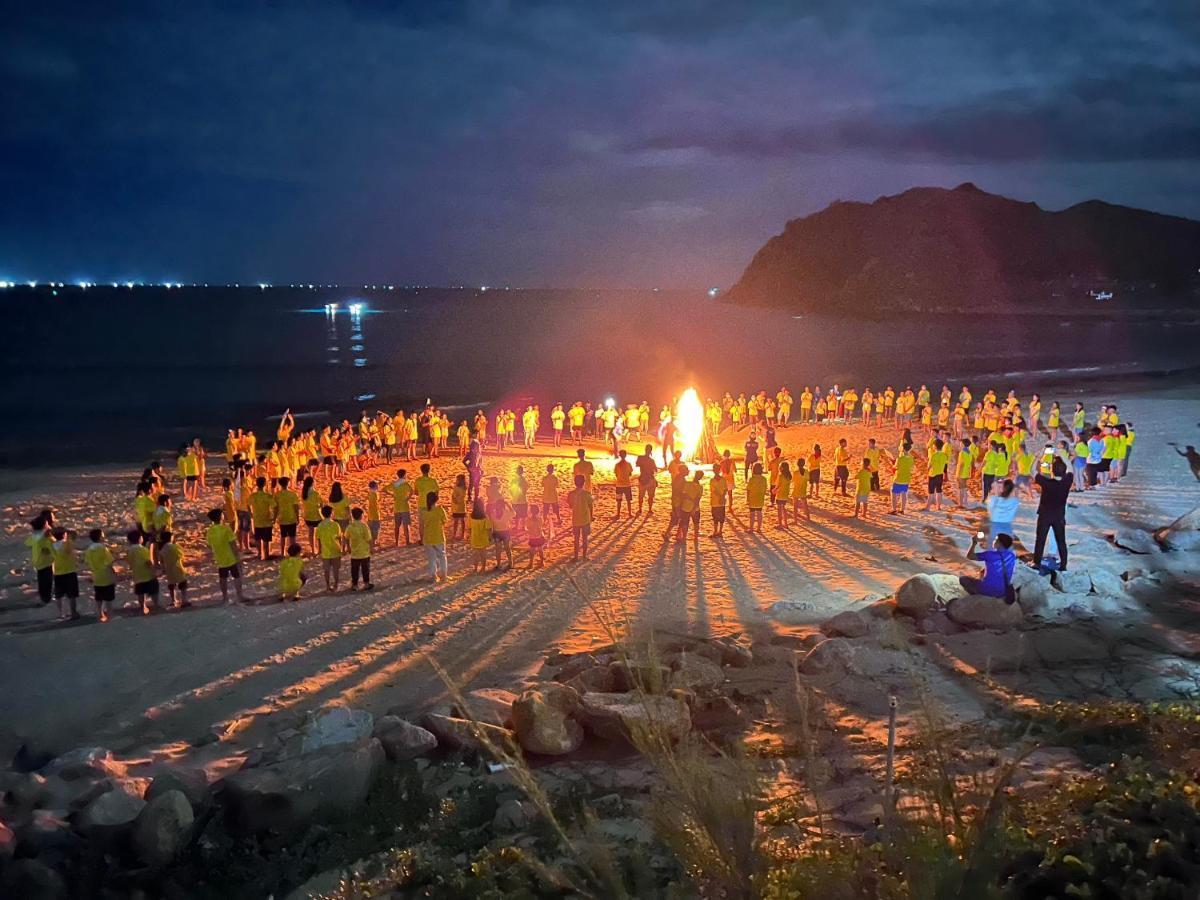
(48, 834)
(938, 623)
(111, 814)
(30, 757)
(8, 842)
(638, 675)
(1032, 588)
(718, 716)
(491, 706)
(290, 795)
(189, 781)
(1136, 541)
(832, 654)
(84, 762)
(28, 790)
(842, 656)
(792, 612)
(694, 673)
(32, 879)
(1182, 534)
(922, 594)
(574, 664)
(987, 652)
(976, 611)
(542, 720)
(635, 717)
(849, 624)
(733, 654)
(1106, 583)
(72, 795)
(336, 726)
(594, 678)
(163, 828)
(513, 815)
(884, 608)
(1072, 581)
(402, 740)
(463, 734)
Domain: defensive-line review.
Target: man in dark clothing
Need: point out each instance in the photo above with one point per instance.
(1052, 512)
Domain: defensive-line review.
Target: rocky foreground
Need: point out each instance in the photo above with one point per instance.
(604, 730)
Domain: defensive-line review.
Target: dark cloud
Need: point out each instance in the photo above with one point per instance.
(552, 142)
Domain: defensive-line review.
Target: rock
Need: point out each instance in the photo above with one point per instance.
(845, 657)
(28, 791)
(1182, 534)
(30, 757)
(938, 623)
(694, 673)
(291, 795)
(163, 828)
(1072, 581)
(1032, 588)
(594, 678)
(626, 831)
(733, 654)
(1136, 541)
(191, 782)
(491, 706)
(849, 624)
(8, 842)
(31, 879)
(922, 594)
(542, 720)
(84, 762)
(831, 654)
(72, 795)
(463, 734)
(336, 726)
(635, 717)
(110, 814)
(403, 740)
(884, 608)
(986, 652)
(639, 675)
(514, 815)
(976, 611)
(718, 716)
(792, 612)
(573, 665)
(1106, 583)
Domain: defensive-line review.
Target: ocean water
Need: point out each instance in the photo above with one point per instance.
(114, 375)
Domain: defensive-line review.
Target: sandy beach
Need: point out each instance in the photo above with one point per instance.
(165, 686)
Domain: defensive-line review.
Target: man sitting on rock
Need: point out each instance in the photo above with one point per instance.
(999, 563)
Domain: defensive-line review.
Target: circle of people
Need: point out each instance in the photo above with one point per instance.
(276, 487)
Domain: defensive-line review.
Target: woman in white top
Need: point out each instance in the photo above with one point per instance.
(1002, 507)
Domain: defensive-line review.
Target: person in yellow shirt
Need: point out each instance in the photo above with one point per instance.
(841, 466)
(433, 538)
(99, 561)
(340, 504)
(862, 494)
(902, 478)
(311, 501)
(262, 517)
(458, 509)
(963, 466)
(800, 491)
(424, 485)
(550, 504)
(756, 497)
(875, 455)
(224, 546)
(175, 572)
(329, 539)
(291, 574)
(537, 538)
(623, 481)
(718, 495)
(141, 572)
(402, 492)
(40, 544)
(580, 503)
(480, 536)
(939, 459)
(143, 508)
(692, 493)
(164, 521)
(519, 491)
(287, 507)
(359, 539)
(783, 494)
(584, 468)
(1024, 462)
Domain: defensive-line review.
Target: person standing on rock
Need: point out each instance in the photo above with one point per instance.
(1052, 512)
(999, 564)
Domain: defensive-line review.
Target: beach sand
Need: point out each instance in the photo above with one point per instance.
(163, 686)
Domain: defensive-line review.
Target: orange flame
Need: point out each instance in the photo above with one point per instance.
(689, 422)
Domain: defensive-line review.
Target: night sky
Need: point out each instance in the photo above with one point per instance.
(558, 143)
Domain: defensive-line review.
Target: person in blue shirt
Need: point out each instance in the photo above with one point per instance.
(999, 563)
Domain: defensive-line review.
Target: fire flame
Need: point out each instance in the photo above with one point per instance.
(689, 423)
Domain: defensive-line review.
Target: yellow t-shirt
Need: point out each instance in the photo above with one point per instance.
(965, 461)
(423, 487)
(41, 549)
(718, 488)
(581, 507)
(172, 563)
(289, 574)
(434, 527)
(783, 487)
(904, 468)
(64, 556)
(756, 491)
(623, 473)
(1024, 463)
(262, 509)
(312, 505)
(372, 506)
(163, 519)
(938, 461)
(341, 509)
(586, 469)
(550, 489)
(692, 492)
(143, 505)
(864, 481)
(229, 507)
(481, 533)
(400, 491)
(800, 485)
(358, 534)
(141, 569)
(329, 539)
(99, 560)
(221, 540)
(288, 505)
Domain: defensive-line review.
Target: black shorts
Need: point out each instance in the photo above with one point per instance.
(461, 515)
(263, 533)
(626, 492)
(537, 542)
(814, 476)
(234, 571)
(191, 479)
(162, 538)
(1105, 465)
(312, 523)
(718, 515)
(66, 585)
(522, 510)
(45, 584)
(327, 460)
(288, 531)
(106, 593)
(935, 483)
(146, 588)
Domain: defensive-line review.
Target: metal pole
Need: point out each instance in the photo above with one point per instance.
(889, 798)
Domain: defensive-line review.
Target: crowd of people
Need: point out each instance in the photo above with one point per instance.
(295, 492)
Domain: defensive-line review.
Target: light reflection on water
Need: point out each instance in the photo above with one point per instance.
(354, 310)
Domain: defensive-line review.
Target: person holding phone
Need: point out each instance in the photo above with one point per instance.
(999, 564)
